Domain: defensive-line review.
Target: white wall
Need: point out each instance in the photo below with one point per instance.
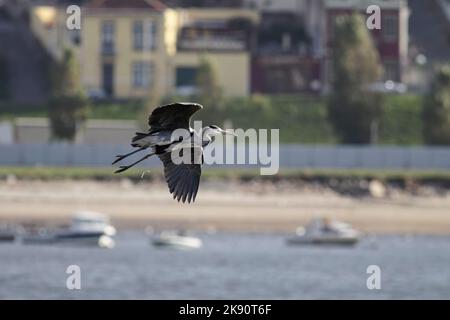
(6, 132)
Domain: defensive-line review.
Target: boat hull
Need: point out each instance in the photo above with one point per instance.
(7, 237)
(91, 239)
(177, 242)
(338, 241)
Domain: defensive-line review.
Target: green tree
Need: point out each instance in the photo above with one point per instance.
(354, 111)
(436, 110)
(208, 91)
(68, 105)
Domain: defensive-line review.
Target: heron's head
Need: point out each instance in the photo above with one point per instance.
(211, 131)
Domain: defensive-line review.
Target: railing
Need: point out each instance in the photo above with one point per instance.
(290, 156)
(212, 44)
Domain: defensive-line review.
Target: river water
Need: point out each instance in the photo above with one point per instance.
(230, 266)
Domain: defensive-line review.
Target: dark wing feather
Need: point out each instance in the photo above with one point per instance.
(182, 179)
(173, 116)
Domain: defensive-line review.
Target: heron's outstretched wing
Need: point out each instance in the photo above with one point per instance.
(173, 116)
(183, 179)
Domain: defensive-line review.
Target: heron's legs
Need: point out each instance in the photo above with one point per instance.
(123, 156)
(123, 168)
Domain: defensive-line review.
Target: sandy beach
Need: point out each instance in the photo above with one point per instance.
(221, 205)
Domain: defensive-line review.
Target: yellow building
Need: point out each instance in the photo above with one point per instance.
(209, 34)
(133, 49)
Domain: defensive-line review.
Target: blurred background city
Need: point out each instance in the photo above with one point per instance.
(364, 119)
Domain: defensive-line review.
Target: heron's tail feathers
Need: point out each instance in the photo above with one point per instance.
(139, 140)
(139, 136)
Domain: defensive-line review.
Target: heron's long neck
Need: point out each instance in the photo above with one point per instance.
(207, 139)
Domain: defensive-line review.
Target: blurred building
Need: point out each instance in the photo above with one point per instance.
(125, 48)
(225, 37)
(23, 76)
(429, 41)
(292, 66)
(137, 48)
(391, 40)
(133, 49)
(284, 60)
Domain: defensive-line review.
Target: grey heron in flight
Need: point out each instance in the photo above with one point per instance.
(183, 178)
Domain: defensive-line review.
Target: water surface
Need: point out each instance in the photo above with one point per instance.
(230, 266)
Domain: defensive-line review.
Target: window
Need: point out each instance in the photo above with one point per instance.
(74, 36)
(138, 35)
(107, 37)
(108, 79)
(186, 76)
(142, 74)
(389, 27)
(144, 35)
(151, 35)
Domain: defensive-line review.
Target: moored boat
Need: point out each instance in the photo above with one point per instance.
(7, 233)
(325, 232)
(86, 229)
(177, 240)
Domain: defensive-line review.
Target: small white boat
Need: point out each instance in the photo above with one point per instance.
(84, 239)
(86, 229)
(323, 231)
(177, 240)
(92, 222)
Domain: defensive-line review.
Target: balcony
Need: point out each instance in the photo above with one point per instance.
(216, 44)
(217, 37)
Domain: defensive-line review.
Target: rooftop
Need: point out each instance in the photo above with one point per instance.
(363, 4)
(129, 4)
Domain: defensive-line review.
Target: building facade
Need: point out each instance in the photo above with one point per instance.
(140, 48)
(125, 48)
(391, 40)
(134, 49)
(224, 37)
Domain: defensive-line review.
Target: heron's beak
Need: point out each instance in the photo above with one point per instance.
(229, 132)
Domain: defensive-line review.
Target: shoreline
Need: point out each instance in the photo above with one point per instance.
(222, 206)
